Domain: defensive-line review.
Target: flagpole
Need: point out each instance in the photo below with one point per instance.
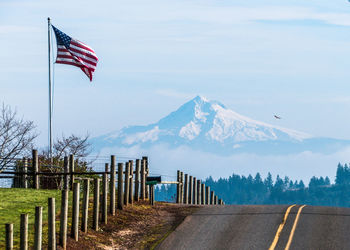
(50, 90)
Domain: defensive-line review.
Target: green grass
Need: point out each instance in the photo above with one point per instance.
(15, 201)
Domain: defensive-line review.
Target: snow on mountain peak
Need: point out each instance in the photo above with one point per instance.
(190, 131)
(224, 124)
(204, 122)
(200, 98)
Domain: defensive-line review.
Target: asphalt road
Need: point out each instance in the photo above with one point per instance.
(263, 227)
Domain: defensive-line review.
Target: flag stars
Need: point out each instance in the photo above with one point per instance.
(62, 38)
(80, 56)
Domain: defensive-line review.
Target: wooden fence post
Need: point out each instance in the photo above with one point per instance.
(84, 219)
(203, 194)
(64, 217)
(186, 189)
(35, 168)
(207, 195)
(24, 232)
(96, 203)
(112, 187)
(143, 179)
(65, 177)
(131, 182)
(212, 198)
(137, 180)
(104, 198)
(190, 190)
(17, 180)
(38, 228)
(71, 170)
(151, 194)
(9, 236)
(126, 184)
(199, 195)
(51, 224)
(194, 190)
(178, 186)
(147, 173)
(182, 187)
(120, 186)
(24, 176)
(75, 212)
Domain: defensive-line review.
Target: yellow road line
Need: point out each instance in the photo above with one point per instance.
(279, 230)
(293, 228)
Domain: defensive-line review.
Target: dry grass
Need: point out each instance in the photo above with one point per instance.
(136, 227)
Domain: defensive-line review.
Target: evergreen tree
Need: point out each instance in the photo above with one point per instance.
(339, 179)
(327, 182)
(279, 184)
(268, 181)
(313, 182)
(238, 189)
(286, 182)
(257, 179)
(346, 178)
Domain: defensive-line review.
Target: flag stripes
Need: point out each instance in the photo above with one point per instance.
(66, 54)
(75, 53)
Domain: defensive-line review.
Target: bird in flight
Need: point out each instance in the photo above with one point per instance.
(277, 117)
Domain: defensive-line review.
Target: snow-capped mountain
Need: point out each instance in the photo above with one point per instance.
(209, 126)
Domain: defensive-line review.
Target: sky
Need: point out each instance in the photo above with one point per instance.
(259, 58)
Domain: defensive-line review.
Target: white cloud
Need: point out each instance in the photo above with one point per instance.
(227, 15)
(6, 29)
(151, 135)
(325, 100)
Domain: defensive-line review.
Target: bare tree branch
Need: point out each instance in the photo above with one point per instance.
(16, 136)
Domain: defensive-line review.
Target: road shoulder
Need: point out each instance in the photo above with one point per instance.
(136, 227)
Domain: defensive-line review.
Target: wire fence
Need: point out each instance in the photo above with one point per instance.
(52, 175)
(93, 163)
(11, 166)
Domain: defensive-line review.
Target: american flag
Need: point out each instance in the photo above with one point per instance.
(73, 52)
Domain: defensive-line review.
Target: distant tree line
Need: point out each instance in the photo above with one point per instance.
(238, 189)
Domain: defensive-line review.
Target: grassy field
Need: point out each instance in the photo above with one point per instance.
(15, 201)
(139, 226)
